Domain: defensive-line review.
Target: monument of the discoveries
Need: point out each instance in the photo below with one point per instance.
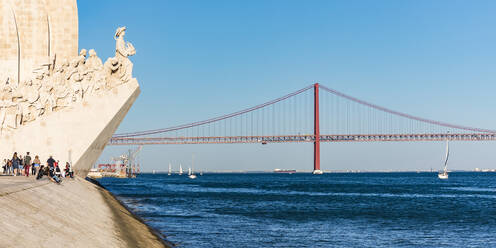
(54, 99)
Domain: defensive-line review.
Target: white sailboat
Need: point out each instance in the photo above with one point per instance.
(444, 174)
(170, 169)
(191, 174)
(180, 169)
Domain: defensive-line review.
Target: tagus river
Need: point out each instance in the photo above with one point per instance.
(303, 210)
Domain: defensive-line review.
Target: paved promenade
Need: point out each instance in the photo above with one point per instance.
(76, 213)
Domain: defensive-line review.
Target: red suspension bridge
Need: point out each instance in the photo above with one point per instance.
(312, 114)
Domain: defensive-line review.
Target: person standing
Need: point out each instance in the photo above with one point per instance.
(26, 169)
(50, 162)
(36, 163)
(11, 167)
(15, 163)
(33, 169)
(5, 164)
(27, 164)
(21, 166)
(10, 170)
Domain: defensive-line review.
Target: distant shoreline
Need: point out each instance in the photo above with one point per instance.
(329, 172)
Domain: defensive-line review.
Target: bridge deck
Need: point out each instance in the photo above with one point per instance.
(305, 138)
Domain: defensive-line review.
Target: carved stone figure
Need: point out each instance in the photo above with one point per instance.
(94, 63)
(55, 86)
(122, 51)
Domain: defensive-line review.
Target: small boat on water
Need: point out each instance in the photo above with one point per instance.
(317, 172)
(180, 169)
(170, 169)
(444, 174)
(191, 174)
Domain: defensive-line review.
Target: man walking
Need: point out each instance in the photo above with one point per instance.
(27, 164)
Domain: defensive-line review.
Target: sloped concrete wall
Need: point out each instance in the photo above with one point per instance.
(74, 214)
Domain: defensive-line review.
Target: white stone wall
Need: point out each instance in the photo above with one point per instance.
(69, 108)
(77, 134)
(31, 31)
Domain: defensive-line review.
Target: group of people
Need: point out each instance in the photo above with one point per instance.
(24, 166)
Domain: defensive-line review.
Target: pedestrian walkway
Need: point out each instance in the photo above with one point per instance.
(76, 213)
(11, 184)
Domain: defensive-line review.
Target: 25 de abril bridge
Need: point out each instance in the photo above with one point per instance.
(315, 114)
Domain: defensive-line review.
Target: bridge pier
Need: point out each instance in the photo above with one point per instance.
(316, 127)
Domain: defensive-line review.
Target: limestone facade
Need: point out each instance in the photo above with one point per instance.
(32, 32)
(65, 104)
(71, 108)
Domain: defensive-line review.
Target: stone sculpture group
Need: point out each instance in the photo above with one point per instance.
(58, 85)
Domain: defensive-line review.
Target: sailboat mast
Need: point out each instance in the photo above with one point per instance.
(447, 156)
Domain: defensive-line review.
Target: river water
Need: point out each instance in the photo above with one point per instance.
(304, 210)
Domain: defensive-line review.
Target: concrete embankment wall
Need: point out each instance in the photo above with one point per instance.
(74, 214)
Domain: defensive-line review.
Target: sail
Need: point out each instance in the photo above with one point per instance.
(170, 168)
(180, 169)
(189, 171)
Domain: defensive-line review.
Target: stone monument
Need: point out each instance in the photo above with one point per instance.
(55, 100)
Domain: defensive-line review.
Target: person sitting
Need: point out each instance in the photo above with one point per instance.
(41, 172)
(57, 171)
(51, 174)
(68, 170)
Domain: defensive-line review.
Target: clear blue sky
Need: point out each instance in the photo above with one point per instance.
(201, 59)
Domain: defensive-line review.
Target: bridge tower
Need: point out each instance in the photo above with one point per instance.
(316, 121)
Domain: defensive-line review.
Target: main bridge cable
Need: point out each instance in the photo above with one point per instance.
(199, 123)
(444, 124)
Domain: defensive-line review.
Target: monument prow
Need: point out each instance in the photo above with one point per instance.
(67, 107)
